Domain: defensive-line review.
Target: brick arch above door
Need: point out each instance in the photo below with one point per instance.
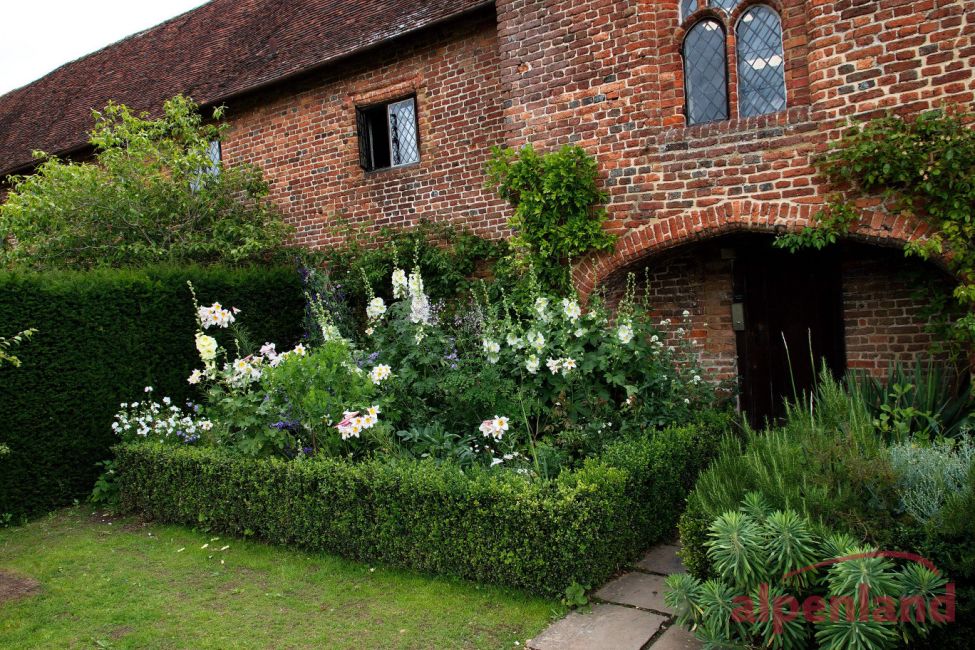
(883, 229)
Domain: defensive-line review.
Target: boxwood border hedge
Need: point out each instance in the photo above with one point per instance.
(488, 526)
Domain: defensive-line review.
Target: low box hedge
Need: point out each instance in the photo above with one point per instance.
(101, 337)
(494, 527)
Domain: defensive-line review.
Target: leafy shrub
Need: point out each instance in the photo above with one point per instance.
(151, 195)
(769, 580)
(487, 525)
(928, 476)
(102, 336)
(556, 199)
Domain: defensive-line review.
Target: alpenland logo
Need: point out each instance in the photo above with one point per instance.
(860, 606)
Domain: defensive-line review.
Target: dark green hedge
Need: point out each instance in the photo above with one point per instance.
(102, 336)
(486, 526)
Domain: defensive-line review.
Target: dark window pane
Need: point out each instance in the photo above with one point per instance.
(687, 7)
(727, 5)
(761, 63)
(706, 73)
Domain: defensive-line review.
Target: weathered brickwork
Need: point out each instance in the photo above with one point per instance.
(304, 137)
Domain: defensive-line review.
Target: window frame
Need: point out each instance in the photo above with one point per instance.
(365, 124)
(729, 20)
(739, 59)
(684, 62)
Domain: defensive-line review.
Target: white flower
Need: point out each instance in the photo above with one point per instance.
(380, 373)
(571, 309)
(300, 350)
(625, 333)
(536, 340)
(496, 461)
(373, 410)
(696, 379)
(369, 331)
(330, 333)
(568, 364)
(420, 335)
(554, 365)
(167, 401)
(241, 366)
(268, 350)
(215, 314)
(399, 283)
(148, 389)
(491, 347)
(580, 333)
(494, 428)
(514, 341)
(687, 401)
(419, 307)
(206, 346)
(665, 322)
(532, 364)
(686, 314)
(541, 307)
(376, 308)
(416, 282)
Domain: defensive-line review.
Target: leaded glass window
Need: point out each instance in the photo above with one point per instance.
(706, 73)
(388, 135)
(687, 7)
(727, 5)
(761, 62)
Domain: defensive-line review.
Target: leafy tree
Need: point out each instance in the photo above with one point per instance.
(151, 194)
(6, 356)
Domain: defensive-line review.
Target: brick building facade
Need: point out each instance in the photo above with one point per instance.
(693, 203)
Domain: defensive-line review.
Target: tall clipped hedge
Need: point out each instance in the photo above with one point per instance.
(489, 526)
(102, 336)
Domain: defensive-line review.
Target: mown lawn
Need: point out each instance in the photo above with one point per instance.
(124, 584)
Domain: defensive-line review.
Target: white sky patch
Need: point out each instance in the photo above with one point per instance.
(38, 36)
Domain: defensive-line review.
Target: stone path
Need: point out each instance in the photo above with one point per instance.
(628, 613)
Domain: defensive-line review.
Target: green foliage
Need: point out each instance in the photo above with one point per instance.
(6, 357)
(926, 400)
(929, 475)
(555, 197)
(451, 261)
(151, 195)
(315, 390)
(105, 493)
(487, 525)
(102, 336)
(837, 465)
(575, 595)
(926, 165)
(764, 559)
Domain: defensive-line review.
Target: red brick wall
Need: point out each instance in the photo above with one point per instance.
(882, 309)
(304, 136)
(607, 74)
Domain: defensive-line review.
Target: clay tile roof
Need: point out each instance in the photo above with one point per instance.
(211, 53)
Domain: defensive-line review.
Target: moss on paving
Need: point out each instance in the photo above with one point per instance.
(122, 584)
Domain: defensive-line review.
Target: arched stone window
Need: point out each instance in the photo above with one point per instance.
(687, 7)
(706, 72)
(761, 62)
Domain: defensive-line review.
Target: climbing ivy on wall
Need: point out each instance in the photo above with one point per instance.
(926, 167)
(557, 213)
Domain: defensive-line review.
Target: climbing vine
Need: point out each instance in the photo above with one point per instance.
(926, 167)
(557, 213)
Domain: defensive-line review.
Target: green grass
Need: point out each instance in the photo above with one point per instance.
(128, 585)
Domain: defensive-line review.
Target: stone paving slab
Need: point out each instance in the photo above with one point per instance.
(638, 590)
(662, 559)
(676, 638)
(606, 627)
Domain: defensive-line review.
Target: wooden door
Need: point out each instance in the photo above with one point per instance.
(793, 323)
